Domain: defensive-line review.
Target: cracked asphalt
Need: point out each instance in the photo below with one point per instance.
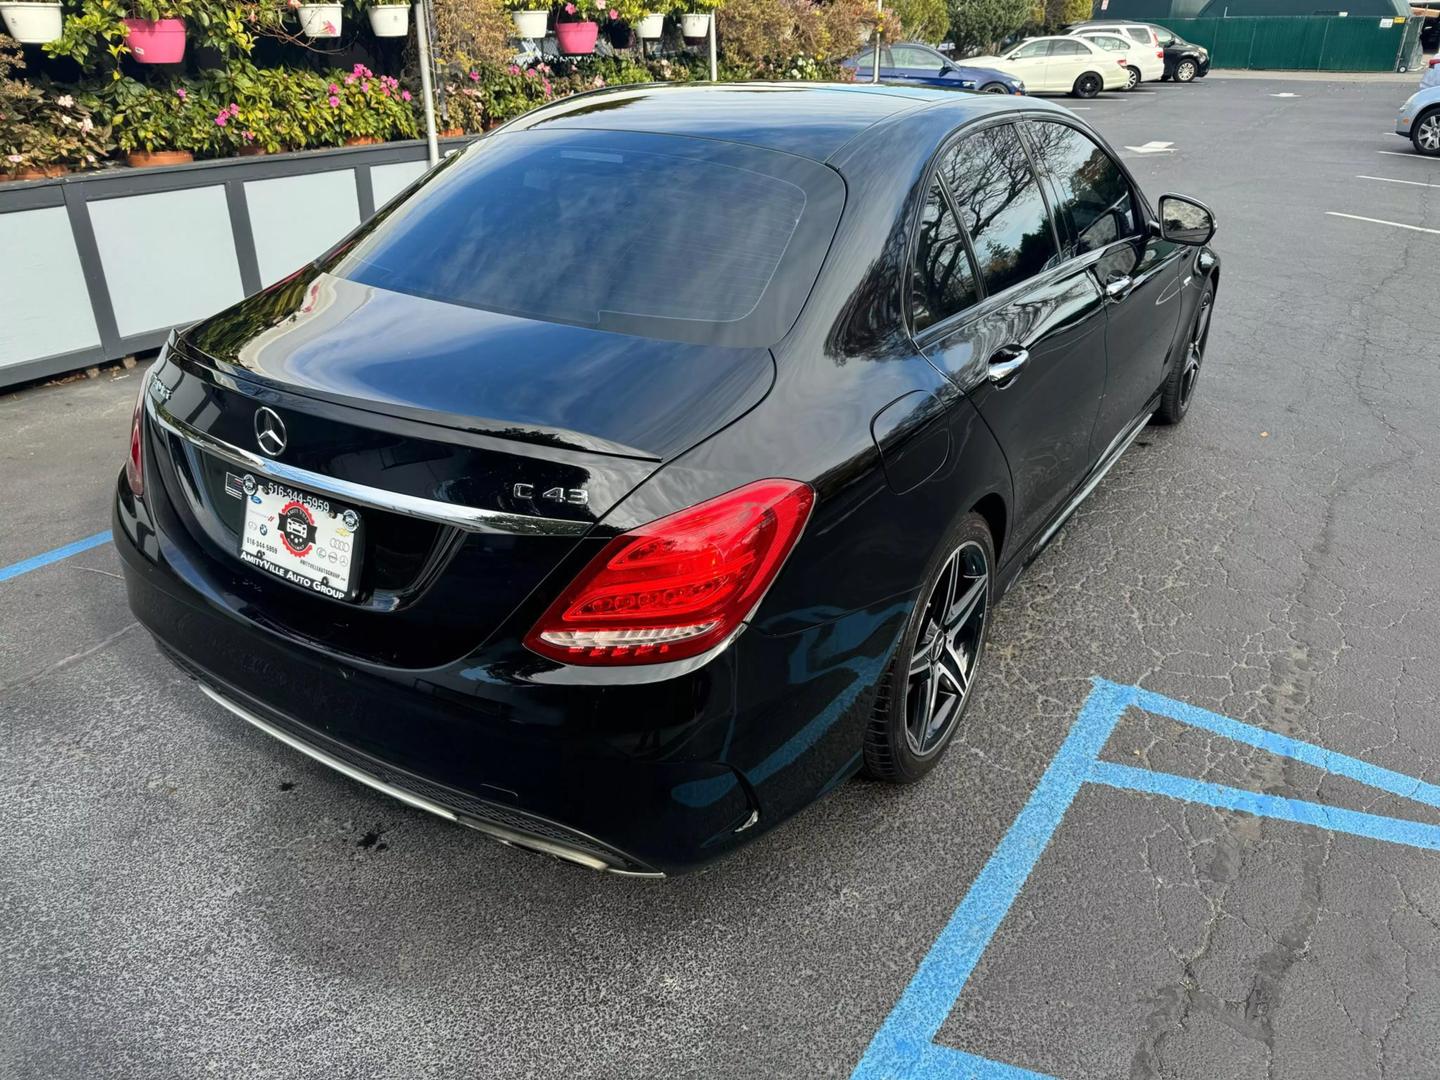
(182, 897)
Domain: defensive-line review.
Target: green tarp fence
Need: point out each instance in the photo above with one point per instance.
(1305, 42)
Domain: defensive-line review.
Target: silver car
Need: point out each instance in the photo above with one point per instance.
(1419, 121)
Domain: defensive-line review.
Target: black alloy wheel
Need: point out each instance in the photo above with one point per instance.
(1179, 389)
(923, 696)
(994, 88)
(1088, 85)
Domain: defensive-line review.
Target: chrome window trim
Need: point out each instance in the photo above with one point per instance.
(468, 518)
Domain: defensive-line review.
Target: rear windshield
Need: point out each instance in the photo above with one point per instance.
(656, 235)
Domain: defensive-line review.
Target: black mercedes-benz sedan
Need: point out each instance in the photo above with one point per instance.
(653, 465)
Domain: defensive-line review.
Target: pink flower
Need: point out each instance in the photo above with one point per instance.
(334, 89)
(545, 68)
(334, 102)
(404, 95)
(248, 136)
(180, 92)
(514, 69)
(234, 109)
(365, 86)
(474, 76)
(222, 119)
(14, 159)
(614, 14)
(530, 73)
(329, 28)
(351, 79)
(569, 9)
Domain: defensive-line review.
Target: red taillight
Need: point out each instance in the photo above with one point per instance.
(1159, 54)
(1123, 63)
(135, 462)
(678, 586)
(1434, 63)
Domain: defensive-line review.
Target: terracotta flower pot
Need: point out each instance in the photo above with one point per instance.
(363, 140)
(577, 38)
(149, 159)
(451, 132)
(254, 150)
(155, 41)
(36, 172)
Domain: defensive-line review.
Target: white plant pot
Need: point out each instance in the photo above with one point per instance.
(530, 25)
(389, 20)
(693, 26)
(32, 24)
(319, 20)
(651, 27)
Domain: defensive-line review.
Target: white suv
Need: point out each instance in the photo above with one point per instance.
(1142, 49)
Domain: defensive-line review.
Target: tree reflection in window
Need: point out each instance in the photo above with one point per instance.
(943, 281)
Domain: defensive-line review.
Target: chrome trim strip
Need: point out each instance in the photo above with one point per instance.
(469, 518)
(495, 832)
(1094, 482)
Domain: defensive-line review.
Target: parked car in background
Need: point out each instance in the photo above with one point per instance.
(1147, 62)
(1062, 65)
(628, 559)
(913, 63)
(1419, 120)
(1184, 61)
(1430, 73)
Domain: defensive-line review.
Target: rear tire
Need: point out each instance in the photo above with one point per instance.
(1425, 134)
(994, 88)
(1185, 71)
(923, 695)
(1087, 85)
(1179, 389)
(1132, 78)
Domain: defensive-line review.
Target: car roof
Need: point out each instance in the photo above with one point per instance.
(813, 120)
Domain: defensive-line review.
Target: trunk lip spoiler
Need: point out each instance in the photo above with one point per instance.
(468, 518)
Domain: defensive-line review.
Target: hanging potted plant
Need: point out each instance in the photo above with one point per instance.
(155, 31)
(321, 20)
(576, 28)
(530, 19)
(651, 26)
(695, 21)
(32, 22)
(389, 18)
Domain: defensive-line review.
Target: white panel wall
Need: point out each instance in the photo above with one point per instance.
(44, 308)
(168, 257)
(387, 181)
(295, 218)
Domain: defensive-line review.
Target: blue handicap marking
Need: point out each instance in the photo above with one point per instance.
(905, 1044)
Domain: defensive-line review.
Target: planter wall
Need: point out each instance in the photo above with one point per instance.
(101, 265)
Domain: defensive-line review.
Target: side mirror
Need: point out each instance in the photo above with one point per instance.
(1185, 221)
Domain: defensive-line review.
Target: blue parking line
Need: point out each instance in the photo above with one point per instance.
(905, 1047)
(35, 562)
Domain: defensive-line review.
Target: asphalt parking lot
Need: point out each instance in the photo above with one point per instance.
(1234, 873)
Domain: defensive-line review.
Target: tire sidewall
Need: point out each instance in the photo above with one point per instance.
(1182, 67)
(1079, 89)
(908, 765)
(1432, 114)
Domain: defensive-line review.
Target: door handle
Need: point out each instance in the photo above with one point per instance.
(1007, 362)
(1119, 288)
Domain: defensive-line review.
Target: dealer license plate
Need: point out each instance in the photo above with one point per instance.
(304, 539)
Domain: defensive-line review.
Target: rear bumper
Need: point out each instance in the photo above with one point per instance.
(562, 770)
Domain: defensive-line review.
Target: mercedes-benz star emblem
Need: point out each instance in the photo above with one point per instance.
(269, 431)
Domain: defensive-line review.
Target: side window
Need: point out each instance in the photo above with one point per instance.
(1068, 48)
(1139, 33)
(1109, 43)
(910, 57)
(865, 59)
(1093, 202)
(1000, 206)
(942, 280)
(1032, 51)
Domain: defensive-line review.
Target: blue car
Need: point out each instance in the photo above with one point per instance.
(911, 63)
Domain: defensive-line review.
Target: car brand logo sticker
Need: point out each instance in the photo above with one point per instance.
(297, 528)
(269, 431)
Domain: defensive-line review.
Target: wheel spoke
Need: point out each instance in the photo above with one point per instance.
(959, 615)
(954, 669)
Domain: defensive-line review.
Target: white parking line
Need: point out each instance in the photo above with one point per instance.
(1407, 153)
(1389, 180)
(1378, 221)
